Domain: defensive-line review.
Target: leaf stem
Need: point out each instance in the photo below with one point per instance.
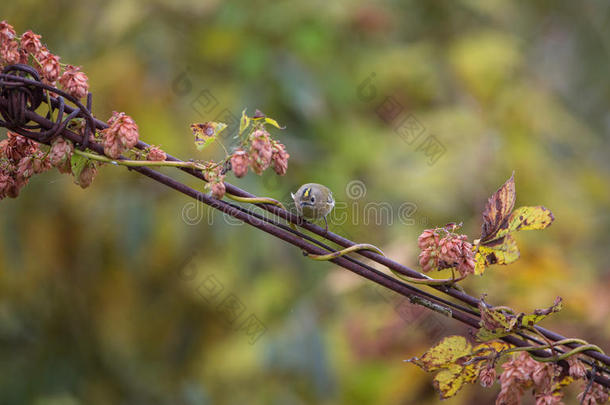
(585, 346)
(139, 163)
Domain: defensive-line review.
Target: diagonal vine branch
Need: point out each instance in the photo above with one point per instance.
(21, 96)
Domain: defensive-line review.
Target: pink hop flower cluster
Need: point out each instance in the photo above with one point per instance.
(515, 379)
(9, 53)
(261, 151)
(550, 398)
(577, 368)
(156, 154)
(15, 147)
(121, 135)
(280, 158)
(34, 164)
(30, 42)
(443, 252)
(218, 189)
(9, 47)
(87, 175)
(216, 185)
(74, 82)
(50, 69)
(20, 159)
(60, 154)
(239, 162)
(258, 153)
(487, 376)
(428, 242)
(522, 373)
(597, 394)
(18, 50)
(7, 32)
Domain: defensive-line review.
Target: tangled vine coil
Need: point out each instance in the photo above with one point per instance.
(22, 91)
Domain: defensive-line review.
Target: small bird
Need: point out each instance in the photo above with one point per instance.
(314, 201)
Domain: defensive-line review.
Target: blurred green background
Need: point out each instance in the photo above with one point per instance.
(118, 293)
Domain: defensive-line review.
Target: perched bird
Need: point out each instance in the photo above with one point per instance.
(314, 201)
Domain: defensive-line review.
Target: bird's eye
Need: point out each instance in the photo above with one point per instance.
(313, 199)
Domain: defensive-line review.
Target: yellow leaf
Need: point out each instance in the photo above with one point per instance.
(273, 122)
(484, 335)
(524, 219)
(566, 380)
(480, 263)
(258, 115)
(498, 208)
(454, 358)
(243, 122)
(446, 352)
(470, 373)
(500, 251)
(449, 381)
(485, 349)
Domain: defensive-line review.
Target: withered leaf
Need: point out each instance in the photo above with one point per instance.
(206, 133)
(497, 322)
(496, 245)
(528, 321)
(498, 208)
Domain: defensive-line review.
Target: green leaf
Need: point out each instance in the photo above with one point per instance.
(273, 122)
(244, 122)
(260, 116)
(206, 133)
(77, 163)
